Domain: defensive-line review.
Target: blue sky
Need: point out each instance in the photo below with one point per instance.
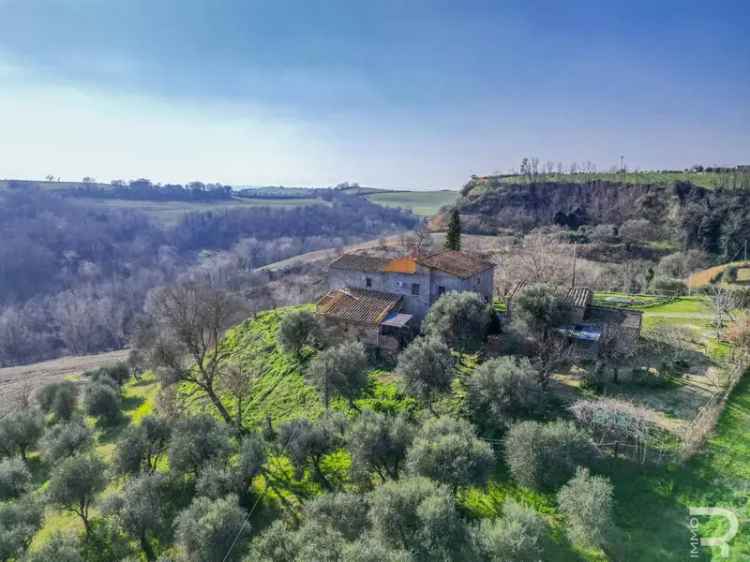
(394, 94)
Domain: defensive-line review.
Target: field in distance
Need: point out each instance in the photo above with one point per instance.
(422, 203)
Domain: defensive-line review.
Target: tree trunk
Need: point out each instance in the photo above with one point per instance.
(216, 401)
(148, 550)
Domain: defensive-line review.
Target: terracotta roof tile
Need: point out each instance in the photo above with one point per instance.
(456, 263)
(357, 305)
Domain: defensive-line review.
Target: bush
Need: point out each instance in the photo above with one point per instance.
(669, 285)
(103, 402)
(519, 535)
(448, 451)
(459, 319)
(119, 373)
(427, 368)
(501, 390)
(15, 479)
(587, 503)
(546, 455)
(66, 440)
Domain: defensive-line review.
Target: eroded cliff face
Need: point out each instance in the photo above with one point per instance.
(490, 206)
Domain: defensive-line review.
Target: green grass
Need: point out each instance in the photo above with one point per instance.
(422, 203)
(170, 212)
(702, 179)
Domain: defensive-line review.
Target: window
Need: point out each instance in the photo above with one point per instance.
(368, 282)
(415, 288)
(441, 290)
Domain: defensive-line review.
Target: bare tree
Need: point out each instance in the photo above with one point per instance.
(723, 303)
(237, 381)
(186, 342)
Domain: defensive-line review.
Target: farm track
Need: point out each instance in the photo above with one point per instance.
(17, 381)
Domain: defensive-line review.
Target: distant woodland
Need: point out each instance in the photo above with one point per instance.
(74, 279)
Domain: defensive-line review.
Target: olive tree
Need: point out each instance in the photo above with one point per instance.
(448, 451)
(140, 510)
(19, 522)
(459, 319)
(103, 402)
(296, 330)
(20, 431)
(143, 446)
(65, 440)
(537, 310)
(343, 512)
(307, 443)
(59, 548)
(520, 535)
(587, 503)
(75, 483)
(378, 443)
(502, 390)
(15, 479)
(196, 441)
(427, 369)
(211, 530)
(419, 516)
(59, 399)
(184, 337)
(342, 371)
(546, 455)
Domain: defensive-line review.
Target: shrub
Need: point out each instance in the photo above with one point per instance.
(427, 368)
(447, 450)
(15, 479)
(503, 389)
(587, 503)
(459, 319)
(519, 535)
(119, 373)
(546, 455)
(103, 402)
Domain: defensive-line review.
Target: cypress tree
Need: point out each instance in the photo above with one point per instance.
(453, 239)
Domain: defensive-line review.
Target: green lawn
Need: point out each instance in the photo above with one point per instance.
(170, 212)
(423, 203)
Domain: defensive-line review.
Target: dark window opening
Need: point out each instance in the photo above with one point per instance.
(415, 288)
(441, 290)
(368, 282)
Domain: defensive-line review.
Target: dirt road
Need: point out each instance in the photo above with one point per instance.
(16, 381)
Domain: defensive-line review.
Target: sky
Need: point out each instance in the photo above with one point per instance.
(398, 94)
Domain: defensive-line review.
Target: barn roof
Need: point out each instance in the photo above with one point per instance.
(579, 296)
(360, 262)
(456, 263)
(358, 305)
(625, 318)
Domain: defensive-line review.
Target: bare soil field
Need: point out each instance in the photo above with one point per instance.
(15, 382)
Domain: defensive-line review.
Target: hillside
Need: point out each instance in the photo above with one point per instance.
(681, 213)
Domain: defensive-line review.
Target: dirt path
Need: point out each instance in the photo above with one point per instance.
(16, 381)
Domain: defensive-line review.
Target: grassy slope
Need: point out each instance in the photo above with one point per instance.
(423, 203)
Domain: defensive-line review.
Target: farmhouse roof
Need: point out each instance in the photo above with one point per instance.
(360, 262)
(358, 305)
(579, 297)
(456, 263)
(625, 318)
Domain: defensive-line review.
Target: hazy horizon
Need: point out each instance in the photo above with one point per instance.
(396, 95)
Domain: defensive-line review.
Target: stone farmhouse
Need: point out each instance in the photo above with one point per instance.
(382, 301)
